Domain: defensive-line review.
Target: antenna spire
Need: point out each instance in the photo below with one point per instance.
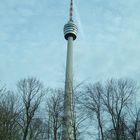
(71, 9)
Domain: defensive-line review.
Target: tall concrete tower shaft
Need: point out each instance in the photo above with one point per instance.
(70, 32)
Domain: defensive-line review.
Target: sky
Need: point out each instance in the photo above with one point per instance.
(32, 42)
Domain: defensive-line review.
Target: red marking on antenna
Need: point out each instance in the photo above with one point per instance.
(71, 9)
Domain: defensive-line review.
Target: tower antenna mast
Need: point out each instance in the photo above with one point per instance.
(71, 10)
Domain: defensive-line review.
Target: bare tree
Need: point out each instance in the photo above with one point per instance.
(55, 114)
(109, 103)
(116, 98)
(132, 124)
(93, 105)
(9, 128)
(38, 129)
(31, 91)
(80, 117)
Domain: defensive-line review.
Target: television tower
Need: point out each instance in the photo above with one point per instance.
(70, 32)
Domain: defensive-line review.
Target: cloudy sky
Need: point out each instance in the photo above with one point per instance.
(32, 42)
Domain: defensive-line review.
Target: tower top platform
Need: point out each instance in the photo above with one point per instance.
(70, 30)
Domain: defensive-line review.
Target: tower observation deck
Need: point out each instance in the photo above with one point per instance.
(70, 34)
(70, 30)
